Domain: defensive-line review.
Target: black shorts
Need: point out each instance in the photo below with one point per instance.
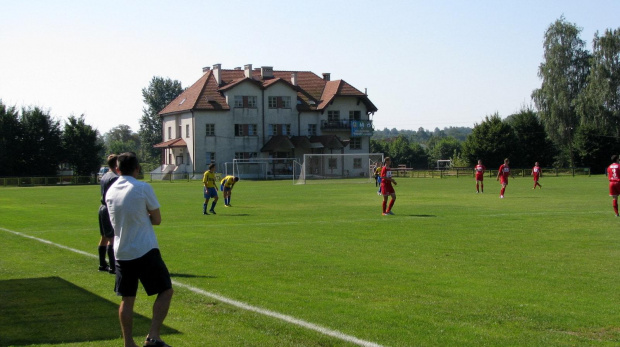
(150, 269)
(105, 226)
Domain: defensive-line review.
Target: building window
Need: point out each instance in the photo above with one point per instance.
(332, 163)
(355, 143)
(279, 102)
(246, 129)
(279, 129)
(311, 129)
(246, 155)
(333, 116)
(210, 130)
(357, 163)
(245, 101)
(186, 130)
(210, 158)
(169, 133)
(355, 115)
(179, 132)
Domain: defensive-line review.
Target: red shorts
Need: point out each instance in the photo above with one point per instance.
(614, 188)
(503, 181)
(479, 177)
(387, 190)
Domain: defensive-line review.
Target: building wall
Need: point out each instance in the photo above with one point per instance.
(224, 143)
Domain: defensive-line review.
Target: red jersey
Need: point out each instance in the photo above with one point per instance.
(386, 172)
(480, 171)
(504, 172)
(613, 172)
(536, 172)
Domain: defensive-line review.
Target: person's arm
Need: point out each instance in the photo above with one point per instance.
(155, 216)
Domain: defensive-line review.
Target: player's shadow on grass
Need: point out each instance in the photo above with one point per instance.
(51, 310)
(189, 276)
(422, 215)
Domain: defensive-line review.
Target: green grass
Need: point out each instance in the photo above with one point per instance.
(451, 268)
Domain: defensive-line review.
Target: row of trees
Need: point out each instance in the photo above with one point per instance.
(32, 143)
(576, 121)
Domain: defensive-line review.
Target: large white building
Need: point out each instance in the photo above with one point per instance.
(261, 113)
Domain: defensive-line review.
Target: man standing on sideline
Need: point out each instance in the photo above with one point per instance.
(480, 169)
(502, 176)
(210, 190)
(134, 209)
(386, 187)
(226, 187)
(105, 227)
(537, 173)
(613, 174)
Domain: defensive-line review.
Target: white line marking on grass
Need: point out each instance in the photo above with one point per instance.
(289, 319)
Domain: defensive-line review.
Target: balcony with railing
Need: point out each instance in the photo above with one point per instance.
(336, 125)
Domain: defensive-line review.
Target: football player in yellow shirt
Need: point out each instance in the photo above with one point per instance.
(226, 187)
(210, 190)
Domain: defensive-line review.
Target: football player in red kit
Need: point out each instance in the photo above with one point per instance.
(480, 169)
(502, 176)
(613, 174)
(536, 172)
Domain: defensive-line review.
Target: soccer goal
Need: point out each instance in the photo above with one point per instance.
(261, 168)
(355, 168)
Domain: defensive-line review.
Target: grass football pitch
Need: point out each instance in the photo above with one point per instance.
(318, 265)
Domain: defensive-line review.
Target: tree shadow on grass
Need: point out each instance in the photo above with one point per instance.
(51, 310)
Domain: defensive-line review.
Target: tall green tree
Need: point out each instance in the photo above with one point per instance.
(563, 73)
(594, 149)
(599, 105)
(160, 92)
(533, 143)
(491, 141)
(121, 139)
(42, 143)
(11, 136)
(445, 148)
(81, 146)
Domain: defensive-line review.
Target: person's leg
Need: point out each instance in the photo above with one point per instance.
(384, 205)
(204, 206)
(213, 203)
(615, 204)
(160, 311)
(125, 315)
(110, 251)
(477, 186)
(391, 202)
(482, 186)
(101, 248)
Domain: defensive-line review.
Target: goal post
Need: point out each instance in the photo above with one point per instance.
(355, 168)
(261, 168)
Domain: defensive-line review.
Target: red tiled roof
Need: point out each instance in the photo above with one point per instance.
(313, 91)
(171, 143)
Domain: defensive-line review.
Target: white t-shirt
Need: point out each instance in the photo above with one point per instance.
(129, 201)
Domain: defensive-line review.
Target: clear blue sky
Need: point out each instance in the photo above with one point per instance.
(424, 63)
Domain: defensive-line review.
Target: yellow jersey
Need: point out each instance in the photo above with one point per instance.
(228, 181)
(209, 179)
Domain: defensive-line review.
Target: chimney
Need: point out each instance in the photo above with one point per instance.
(266, 71)
(326, 76)
(294, 78)
(247, 68)
(206, 69)
(217, 73)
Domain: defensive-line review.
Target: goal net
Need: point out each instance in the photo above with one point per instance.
(262, 168)
(356, 168)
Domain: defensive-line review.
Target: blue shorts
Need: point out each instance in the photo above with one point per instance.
(149, 269)
(210, 193)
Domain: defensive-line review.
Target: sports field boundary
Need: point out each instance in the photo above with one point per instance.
(232, 302)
